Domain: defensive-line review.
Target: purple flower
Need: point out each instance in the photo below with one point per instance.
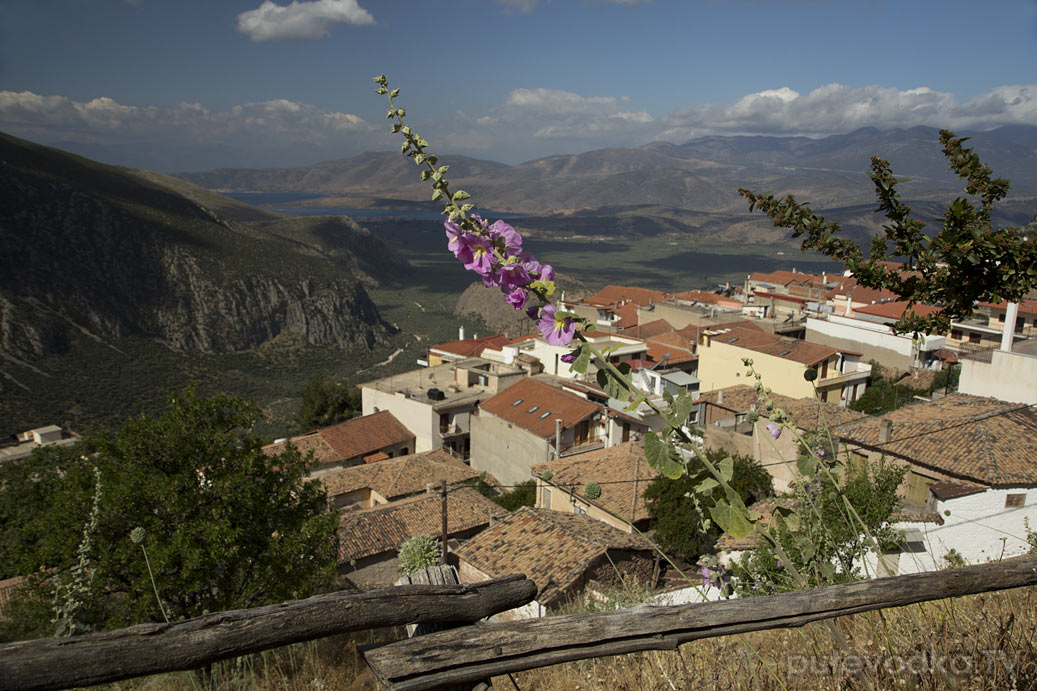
(820, 453)
(533, 312)
(774, 430)
(513, 276)
(570, 357)
(481, 261)
(556, 330)
(517, 299)
(547, 273)
(453, 235)
(510, 236)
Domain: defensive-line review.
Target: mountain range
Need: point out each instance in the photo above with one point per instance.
(669, 188)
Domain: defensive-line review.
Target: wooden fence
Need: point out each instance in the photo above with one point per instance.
(468, 653)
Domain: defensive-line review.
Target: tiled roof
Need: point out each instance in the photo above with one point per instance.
(515, 403)
(384, 528)
(649, 329)
(915, 517)
(771, 344)
(638, 296)
(706, 297)
(679, 348)
(781, 277)
(399, 476)
(322, 451)
(363, 435)
(1027, 307)
(627, 314)
(802, 412)
(970, 437)
(473, 347)
(895, 309)
(617, 464)
(552, 548)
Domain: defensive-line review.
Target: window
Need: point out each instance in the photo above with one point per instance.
(546, 498)
(533, 409)
(1001, 318)
(516, 403)
(579, 509)
(1015, 501)
(974, 337)
(917, 489)
(544, 415)
(956, 334)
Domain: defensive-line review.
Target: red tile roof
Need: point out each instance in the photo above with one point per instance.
(895, 309)
(473, 347)
(615, 468)
(322, 451)
(1027, 307)
(384, 528)
(804, 413)
(638, 296)
(649, 329)
(516, 402)
(364, 435)
(552, 548)
(772, 344)
(400, 476)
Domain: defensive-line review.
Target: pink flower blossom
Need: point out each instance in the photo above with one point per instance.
(517, 298)
(773, 429)
(481, 261)
(556, 330)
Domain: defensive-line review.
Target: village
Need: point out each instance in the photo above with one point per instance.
(510, 413)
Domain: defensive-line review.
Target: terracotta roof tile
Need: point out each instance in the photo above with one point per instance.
(322, 451)
(364, 435)
(397, 477)
(384, 528)
(895, 309)
(1027, 307)
(552, 548)
(649, 329)
(802, 412)
(515, 403)
(953, 490)
(615, 468)
(772, 344)
(970, 437)
(473, 347)
(638, 296)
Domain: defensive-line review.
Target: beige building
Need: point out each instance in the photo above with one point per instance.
(839, 376)
(436, 403)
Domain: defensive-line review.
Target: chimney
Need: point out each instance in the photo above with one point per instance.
(720, 397)
(885, 430)
(1011, 314)
(558, 437)
(460, 334)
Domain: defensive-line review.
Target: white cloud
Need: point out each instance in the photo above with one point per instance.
(260, 127)
(300, 20)
(835, 108)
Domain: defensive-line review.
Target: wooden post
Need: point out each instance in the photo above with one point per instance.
(442, 551)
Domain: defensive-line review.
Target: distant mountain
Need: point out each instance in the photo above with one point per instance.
(702, 175)
(112, 252)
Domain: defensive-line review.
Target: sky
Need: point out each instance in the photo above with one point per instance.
(179, 85)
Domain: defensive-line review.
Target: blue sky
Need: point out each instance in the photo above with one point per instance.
(197, 84)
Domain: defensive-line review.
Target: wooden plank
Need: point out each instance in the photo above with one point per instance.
(490, 649)
(55, 663)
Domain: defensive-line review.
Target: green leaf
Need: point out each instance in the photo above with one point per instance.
(707, 485)
(806, 466)
(662, 456)
(583, 360)
(731, 520)
(726, 467)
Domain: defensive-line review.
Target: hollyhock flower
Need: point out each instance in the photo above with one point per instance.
(547, 273)
(513, 276)
(510, 236)
(517, 299)
(533, 312)
(453, 235)
(556, 330)
(774, 430)
(569, 358)
(481, 261)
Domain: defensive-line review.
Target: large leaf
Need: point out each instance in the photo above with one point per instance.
(731, 520)
(662, 456)
(583, 359)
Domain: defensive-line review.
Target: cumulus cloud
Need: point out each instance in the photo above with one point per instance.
(305, 21)
(835, 108)
(263, 126)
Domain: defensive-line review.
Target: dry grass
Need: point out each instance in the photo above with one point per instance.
(984, 641)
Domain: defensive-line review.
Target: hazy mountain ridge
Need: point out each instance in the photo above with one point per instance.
(113, 252)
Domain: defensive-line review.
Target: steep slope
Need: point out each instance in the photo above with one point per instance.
(113, 252)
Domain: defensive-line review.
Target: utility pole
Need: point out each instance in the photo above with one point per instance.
(442, 553)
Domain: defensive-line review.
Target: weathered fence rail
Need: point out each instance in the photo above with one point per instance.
(468, 653)
(56, 663)
(489, 649)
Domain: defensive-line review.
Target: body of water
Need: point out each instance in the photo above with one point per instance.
(277, 201)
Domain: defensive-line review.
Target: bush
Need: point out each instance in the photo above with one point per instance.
(524, 494)
(417, 553)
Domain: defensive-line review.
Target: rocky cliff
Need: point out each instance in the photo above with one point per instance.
(112, 253)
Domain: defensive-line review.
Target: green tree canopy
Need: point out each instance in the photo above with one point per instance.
(226, 525)
(325, 402)
(680, 519)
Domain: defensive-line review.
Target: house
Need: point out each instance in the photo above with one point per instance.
(532, 422)
(22, 444)
(971, 456)
(869, 331)
(370, 538)
(461, 349)
(1025, 321)
(535, 347)
(786, 365)
(622, 473)
(363, 439)
(614, 307)
(722, 417)
(562, 553)
(436, 403)
(371, 484)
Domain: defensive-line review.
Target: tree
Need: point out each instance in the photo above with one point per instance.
(226, 525)
(965, 262)
(823, 538)
(678, 515)
(325, 402)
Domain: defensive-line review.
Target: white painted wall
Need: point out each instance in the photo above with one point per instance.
(1008, 377)
(418, 417)
(872, 334)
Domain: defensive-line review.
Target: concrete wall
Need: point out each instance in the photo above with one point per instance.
(777, 456)
(504, 450)
(870, 337)
(577, 503)
(376, 571)
(1008, 377)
